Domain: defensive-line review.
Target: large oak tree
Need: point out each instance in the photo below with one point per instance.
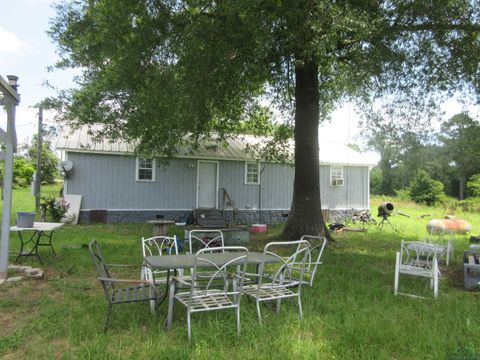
(155, 70)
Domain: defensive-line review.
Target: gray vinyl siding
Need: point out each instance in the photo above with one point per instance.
(107, 181)
(353, 194)
(275, 191)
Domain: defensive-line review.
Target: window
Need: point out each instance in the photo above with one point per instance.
(145, 170)
(252, 176)
(336, 175)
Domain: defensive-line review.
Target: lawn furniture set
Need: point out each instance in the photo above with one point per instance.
(211, 276)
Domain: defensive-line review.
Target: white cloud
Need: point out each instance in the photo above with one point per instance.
(9, 43)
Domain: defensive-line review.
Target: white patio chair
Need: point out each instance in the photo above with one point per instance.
(314, 256)
(162, 246)
(158, 245)
(417, 258)
(445, 244)
(205, 239)
(206, 292)
(277, 282)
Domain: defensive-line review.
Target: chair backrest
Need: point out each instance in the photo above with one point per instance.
(292, 256)
(314, 257)
(160, 245)
(205, 239)
(208, 273)
(419, 254)
(100, 267)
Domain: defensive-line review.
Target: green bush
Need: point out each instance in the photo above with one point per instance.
(403, 194)
(473, 185)
(376, 178)
(425, 190)
(22, 172)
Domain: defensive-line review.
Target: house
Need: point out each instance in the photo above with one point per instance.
(116, 186)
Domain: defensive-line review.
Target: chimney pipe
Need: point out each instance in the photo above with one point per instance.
(12, 81)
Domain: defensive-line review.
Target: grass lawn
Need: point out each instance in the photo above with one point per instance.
(350, 313)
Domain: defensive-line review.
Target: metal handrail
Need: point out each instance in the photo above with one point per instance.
(226, 199)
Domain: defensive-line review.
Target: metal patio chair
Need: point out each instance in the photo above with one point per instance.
(206, 292)
(417, 258)
(120, 291)
(205, 239)
(314, 256)
(158, 245)
(161, 246)
(278, 282)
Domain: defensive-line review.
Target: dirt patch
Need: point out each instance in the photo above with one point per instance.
(9, 323)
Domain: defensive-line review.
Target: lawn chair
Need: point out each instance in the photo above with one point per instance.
(314, 256)
(417, 258)
(158, 245)
(206, 292)
(120, 291)
(276, 283)
(204, 239)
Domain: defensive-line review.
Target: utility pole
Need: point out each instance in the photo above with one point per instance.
(38, 173)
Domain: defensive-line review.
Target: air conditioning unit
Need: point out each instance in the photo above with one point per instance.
(337, 182)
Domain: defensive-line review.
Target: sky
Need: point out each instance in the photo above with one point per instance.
(27, 51)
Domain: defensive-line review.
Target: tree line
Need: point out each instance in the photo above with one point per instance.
(25, 164)
(423, 163)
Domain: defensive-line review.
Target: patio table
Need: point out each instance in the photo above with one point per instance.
(40, 230)
(186, 261)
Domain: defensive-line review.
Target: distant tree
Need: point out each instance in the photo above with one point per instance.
(376, 181)
(22, 171)
(49, 159)
(425, 190)
(473, 185)
(460, 139)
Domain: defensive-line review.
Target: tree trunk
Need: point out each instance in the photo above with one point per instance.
(305, 217)
(461, 187)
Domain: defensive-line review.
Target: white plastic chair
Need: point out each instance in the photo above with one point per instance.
(417, 258)
(210, 288)
(277, 282)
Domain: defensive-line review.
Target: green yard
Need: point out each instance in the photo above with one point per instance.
(350, 313)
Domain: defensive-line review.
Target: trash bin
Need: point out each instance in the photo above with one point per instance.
(25, 219)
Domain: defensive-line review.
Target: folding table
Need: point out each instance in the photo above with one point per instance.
(39, 230)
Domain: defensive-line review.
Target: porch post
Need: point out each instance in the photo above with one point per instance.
(10, 101)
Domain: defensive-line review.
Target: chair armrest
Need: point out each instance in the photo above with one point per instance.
(126, 265)
(181, 281)
(127, 281)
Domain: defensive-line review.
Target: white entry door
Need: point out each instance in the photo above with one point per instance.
(207, 184)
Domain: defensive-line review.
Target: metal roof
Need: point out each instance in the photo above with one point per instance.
(233, 149)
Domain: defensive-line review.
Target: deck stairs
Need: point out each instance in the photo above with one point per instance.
(210, 218)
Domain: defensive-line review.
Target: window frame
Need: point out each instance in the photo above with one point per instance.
(246, 173)
(337, 175)
(138, 168)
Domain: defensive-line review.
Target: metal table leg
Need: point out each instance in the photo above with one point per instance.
(49, 237)
(34, 251)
